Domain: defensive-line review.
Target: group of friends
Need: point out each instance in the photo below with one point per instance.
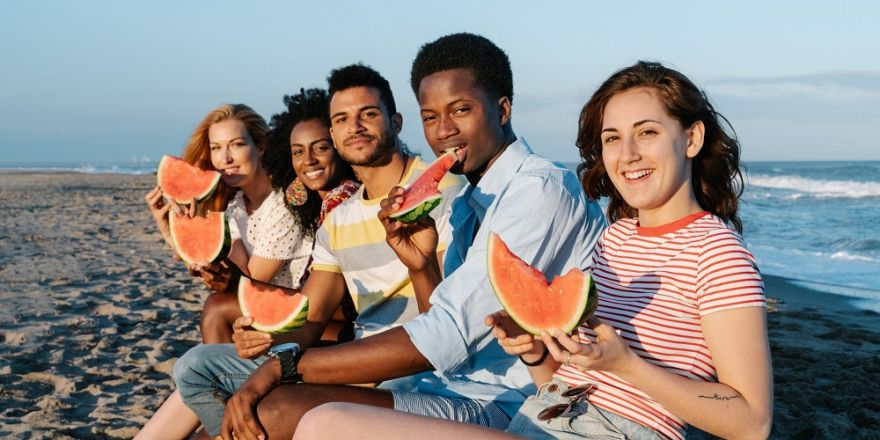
(405, 337)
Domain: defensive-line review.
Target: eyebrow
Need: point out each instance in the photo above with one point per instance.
(227, 142)
(367, 107)
(312, 143)
(643, 121)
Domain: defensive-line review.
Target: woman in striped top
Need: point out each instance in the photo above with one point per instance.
(679, 336)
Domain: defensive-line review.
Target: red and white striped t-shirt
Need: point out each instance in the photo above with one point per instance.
(654, 285)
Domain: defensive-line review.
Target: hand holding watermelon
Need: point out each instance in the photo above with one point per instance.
(511, 337)
(249, 343)
(609, 353)
(415, 243)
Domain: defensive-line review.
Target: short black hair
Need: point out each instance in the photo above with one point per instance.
(359, 75)
(488, 63)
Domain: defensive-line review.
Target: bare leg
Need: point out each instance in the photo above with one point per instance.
(280, 411)
(349, 421)
(173, 420)
(218, 314)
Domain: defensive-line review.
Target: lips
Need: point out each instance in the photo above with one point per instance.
(357, 140)
(314, 174)
(230, 171)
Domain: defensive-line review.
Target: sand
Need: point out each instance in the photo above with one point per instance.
(96, 312)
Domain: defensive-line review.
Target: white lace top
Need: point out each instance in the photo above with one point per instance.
(271, 232)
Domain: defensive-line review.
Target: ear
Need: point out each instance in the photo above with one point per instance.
(397, 122)
(504, 109)
(695, 139)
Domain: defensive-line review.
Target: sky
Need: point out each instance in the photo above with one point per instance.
(110, 81)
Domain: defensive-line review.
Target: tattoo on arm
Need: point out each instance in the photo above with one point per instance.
(717, 397)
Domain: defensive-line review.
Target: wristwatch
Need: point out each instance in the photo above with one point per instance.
(288, 354)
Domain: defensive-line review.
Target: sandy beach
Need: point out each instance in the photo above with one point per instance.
(96, 313)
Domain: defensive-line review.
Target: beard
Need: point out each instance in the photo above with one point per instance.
(381, 155)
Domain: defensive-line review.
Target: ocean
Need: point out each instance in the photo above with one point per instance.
(816, 223)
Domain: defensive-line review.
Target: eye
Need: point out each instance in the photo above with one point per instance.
(648, 132)
(214, 147)
(370, 114)
(428, 118)
(323, 147)
(338, 120)
(296, 152)
(610, 139)
(461, 110)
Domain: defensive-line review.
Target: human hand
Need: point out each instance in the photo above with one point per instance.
(511, 337)
(414, 243)
(240, 419)
(609, 353)
(159, 209)
(220, 277)
(249, 343)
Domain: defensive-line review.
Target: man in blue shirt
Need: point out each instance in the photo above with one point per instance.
(464, 87)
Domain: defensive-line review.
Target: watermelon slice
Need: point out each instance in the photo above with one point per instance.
(422, 195)
(275, 309)
(200, 239)
(183, 182)
(533, 303)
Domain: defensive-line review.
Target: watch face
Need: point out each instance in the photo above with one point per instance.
(289, 346)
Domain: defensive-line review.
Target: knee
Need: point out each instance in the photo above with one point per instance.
(218, 314)
(318, 423)
(190, 372)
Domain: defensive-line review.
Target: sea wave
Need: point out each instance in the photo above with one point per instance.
(816, 188)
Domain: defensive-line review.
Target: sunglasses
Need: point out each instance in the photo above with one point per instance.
(574, 395)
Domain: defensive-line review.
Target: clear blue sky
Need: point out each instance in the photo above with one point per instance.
(111, 81)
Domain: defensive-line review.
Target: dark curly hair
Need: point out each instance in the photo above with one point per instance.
(307, 105)
(717, 179)
(489, 64)
(359, 75)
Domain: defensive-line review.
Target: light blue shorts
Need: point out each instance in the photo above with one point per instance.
(587, 420)
(459, 409)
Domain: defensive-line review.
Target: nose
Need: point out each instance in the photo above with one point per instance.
(446, 128)
(629, 151)
(309, 157)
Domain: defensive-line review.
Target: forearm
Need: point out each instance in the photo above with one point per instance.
(713, 407)
(305, 336)
(424, 282)
(388, 355)
(542, 373)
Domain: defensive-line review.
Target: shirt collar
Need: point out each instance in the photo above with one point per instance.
(497, 177)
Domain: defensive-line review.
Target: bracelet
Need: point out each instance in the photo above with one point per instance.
(537, 362)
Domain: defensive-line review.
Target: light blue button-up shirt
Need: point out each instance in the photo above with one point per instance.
(541, 213)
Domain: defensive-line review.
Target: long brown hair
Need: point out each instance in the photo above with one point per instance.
(198, 152)
(717, 179)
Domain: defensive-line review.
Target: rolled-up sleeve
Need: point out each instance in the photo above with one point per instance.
(540, 218)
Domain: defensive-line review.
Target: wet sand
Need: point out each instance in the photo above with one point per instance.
(96, 312)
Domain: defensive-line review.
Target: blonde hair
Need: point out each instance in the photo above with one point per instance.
(198, 152)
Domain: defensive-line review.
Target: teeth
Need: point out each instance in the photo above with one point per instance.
(314, 174)
(632, 175)
(230, 171)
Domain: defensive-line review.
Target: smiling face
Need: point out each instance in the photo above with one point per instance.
(233, 152)
(312, 154)
(362, 130)
(647, 155)
(457, 114)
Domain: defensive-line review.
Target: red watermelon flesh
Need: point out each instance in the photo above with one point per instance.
(200, 239)
(275, 309)
(183, 182)
(422, 195)
(533, 303)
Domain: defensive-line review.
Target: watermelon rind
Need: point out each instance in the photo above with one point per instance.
(221, 249)
(295, 320)
(205, 193)
(417, 212)
(587, 297)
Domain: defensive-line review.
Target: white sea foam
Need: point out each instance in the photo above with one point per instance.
(817, 188)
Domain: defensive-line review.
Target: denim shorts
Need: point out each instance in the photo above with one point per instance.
(587, 421)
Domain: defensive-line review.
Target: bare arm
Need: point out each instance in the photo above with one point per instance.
(739, 405)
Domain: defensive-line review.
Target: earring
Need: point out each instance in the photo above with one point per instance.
(296, 194)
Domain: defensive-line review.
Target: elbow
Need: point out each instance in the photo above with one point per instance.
(759, 429)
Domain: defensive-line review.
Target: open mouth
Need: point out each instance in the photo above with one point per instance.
(314, 174)
(637, 175)
(230, 171)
